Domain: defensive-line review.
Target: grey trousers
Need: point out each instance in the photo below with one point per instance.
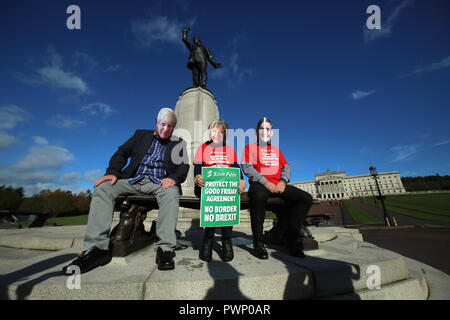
(102, 210)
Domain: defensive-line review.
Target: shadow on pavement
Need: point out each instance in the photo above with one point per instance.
(329, 277)
(24, 289)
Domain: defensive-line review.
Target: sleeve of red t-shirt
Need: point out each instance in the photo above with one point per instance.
(245, 154)
(250, 154)
(232, 154)
(199, 156)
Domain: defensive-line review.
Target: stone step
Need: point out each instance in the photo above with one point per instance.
(409, 289)
(273, 279)
(338, 270)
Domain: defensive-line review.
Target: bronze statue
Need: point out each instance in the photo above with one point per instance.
(198, 58)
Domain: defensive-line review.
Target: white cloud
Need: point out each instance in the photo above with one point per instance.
(54, 73)
(92, 175)
(386, 24)
(82, 58)
(11, 115)
(40, 141)
(403, 152)
(113, 68)
(98, 108)
(43, 157)
(444, 63)
(60, 78)
(441, 143)
(231, 69)
(159, 29)
(6, 140)
(70, 178)
(406, 151)
(359, 94)
(64, 122)
(40, 168)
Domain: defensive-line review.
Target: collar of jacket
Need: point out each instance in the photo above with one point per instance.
(162, 141)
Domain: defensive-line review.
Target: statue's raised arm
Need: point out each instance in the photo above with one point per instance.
(199, 55)
(185, 38)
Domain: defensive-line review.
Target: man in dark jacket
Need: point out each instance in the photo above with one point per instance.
(158, 165)
(198, 60)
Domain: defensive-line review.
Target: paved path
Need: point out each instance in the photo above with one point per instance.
(347, 218)
(425, 244)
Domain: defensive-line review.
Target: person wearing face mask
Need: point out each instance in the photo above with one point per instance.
(268, 173)
(158, 165)
(215, 153)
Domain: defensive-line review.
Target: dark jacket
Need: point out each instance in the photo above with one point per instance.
(177, 165)
(199, 53)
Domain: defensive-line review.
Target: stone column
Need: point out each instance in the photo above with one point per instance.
(195, 110)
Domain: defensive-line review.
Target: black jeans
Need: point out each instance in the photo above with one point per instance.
(298, 204)
(210, 231)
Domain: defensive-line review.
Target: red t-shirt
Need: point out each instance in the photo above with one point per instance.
(210, 156)
(266, 160)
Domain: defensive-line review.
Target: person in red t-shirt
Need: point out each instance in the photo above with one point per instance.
(268, 173)
(215, 153)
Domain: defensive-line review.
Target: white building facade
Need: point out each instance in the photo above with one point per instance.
(337, 185)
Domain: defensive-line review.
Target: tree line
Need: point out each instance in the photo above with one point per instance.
(426, 183)
(51, 203)
(65, 203)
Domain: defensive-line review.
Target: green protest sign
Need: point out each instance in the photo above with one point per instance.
(220, 201)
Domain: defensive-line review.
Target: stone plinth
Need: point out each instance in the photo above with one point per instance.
(195, 110)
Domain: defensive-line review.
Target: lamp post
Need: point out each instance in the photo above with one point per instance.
(390, 221)
(373, 194)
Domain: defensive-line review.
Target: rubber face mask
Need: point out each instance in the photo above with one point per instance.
(164, 129)
(265, 132)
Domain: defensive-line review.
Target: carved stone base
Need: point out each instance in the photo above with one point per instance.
(308, 244)
(306, 240)
(130, 235)
(124, 248)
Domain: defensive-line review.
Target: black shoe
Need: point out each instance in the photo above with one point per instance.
(205, 252)
(164, 259)
(89, 260)
(260, 250)
(295, 249)
(227, 250)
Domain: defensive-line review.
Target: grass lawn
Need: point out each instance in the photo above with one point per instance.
(438, 204)
(70, 221)
(434, 207)
(357, 214)
(61, 221)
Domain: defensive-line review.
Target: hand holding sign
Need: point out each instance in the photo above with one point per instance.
(220, 201)
(199, 180)
(241, 186)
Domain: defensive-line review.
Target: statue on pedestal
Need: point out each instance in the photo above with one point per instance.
(198, 58)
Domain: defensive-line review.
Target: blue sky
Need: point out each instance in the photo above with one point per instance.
(343, 97)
